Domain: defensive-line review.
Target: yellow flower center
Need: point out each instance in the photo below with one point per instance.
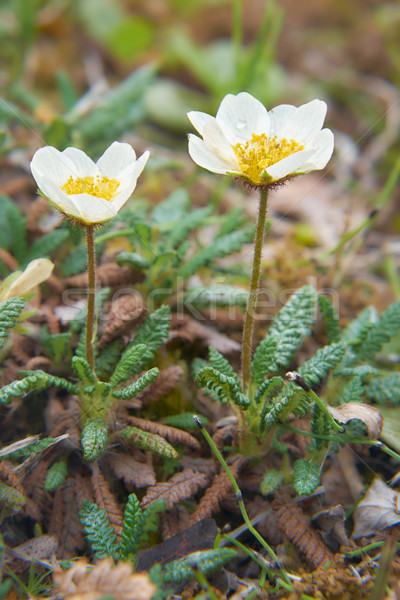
(261, 152)
(101, 187)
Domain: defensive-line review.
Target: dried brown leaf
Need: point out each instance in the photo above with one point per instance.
(8, 260)
(220, 488)
(164, 384)
(23, 348)
(183, 327)
(174, 521)
(104, 579)
(72, 541)
(181, 486)
(379, 509)
(56, 521)
(106, 500)
(369, 415)
(61, 420)
(34, 485)
(109, 274)
(38, 548)
(172, 434)
(131, 471)
(125, 314)
(10, 478)
(39, 362)
(297, 527)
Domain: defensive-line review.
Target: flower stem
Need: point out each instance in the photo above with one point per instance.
(91, 292)
(239, 496)
(248, 329)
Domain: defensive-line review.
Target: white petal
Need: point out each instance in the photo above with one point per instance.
(305, 122)
(48, 164)
(323, 144)
(129, 178)
(215, 140)
(290, 164)
(115, 159)
(83, 166)
(199, 120)
(91, 210)
(279, 116)
(206, 158)
(37, 271)
(242, 115)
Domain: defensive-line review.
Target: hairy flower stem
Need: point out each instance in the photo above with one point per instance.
(91, 292)
(248, 329)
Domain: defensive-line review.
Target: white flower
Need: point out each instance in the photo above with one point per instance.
(247, 141)
(89, 192)
(36, 272)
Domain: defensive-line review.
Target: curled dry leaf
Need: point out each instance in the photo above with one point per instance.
(181, 486)
(172, 434)
(104, 579)
(36, 549)
(125, 314)
(133, 472)
(109, 274)
(369, 415)
(379, 509)
(183, 327)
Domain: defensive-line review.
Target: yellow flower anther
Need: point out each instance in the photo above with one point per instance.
(100, 187)
(256, 155)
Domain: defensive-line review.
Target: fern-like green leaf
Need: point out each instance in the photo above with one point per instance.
(75, 262)
(128, 364)
(11, 499)
(264, 359)
(186, 224)
(231, 242)
(268, 390)
(225, 388)
(382, 331)
(172, 210)
(353, 391)
(363, 371)
(132, 390)
(151, 519)
(271, 416)
(290, 400)
(272, 480)
(46, 244)
(132, 530)
(325, 359)
(56, 475)
(306, 476)
(222, 365)
(82, 370)
(17, 226)
(10, 311)
(149, 441)
(108, 358)
(384, 389)
(99, 531)
(356, 328)
(37, 381)
(57, 346)
(288, 330)
(329, 318)
(205, 561)
(94, 438)
(320, 428)
(151, 333)
(36, 447)
(216, 295)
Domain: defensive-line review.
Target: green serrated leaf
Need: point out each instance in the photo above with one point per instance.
(94, 439)
(306, 476)
(272, 480)
(231, 242)
(135, 388)
(149, 441)
(325, 359)
(127, 366)
(132, 530)
(56, 475)
(224, 388)
(99, 531)
(329, 318)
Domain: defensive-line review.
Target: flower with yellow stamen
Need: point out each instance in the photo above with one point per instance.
(261, 147)
(88, 192)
